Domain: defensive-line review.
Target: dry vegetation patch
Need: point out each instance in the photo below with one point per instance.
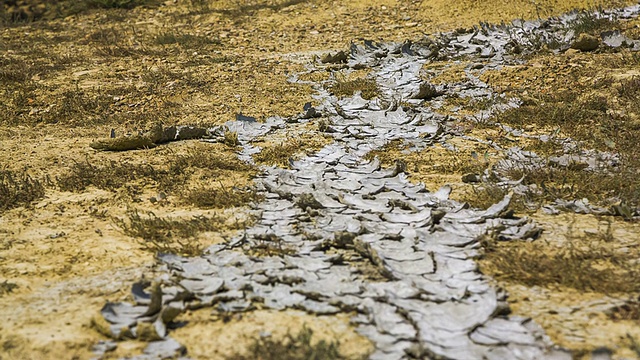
(585, 263)
(579, 280)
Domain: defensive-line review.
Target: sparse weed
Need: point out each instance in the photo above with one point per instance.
(168, 235)
(18, 189)
(298, 347)
(7, 287)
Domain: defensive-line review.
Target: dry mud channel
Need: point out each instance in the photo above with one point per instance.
(375, 254)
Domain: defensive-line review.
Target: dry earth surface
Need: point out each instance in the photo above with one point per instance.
(70, 76)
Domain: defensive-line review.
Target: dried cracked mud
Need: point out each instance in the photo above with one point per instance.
(308, 204)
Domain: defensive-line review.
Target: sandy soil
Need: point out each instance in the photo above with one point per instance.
(64, 252)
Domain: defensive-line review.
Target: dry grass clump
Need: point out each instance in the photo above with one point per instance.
(584, 118)
(584, 263)
(367, 87)
(231, 139)
(110, 176)
(484, 195)
(168, 235)
(218, 197)
(18, 189)
(387, 154)
(438, 160)
(588, 22)
(187, 175)
(298, 347)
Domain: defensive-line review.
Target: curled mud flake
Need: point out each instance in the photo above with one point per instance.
(205, 286)
(400, 216)
(103, 347)
(319, 308)
(164, 349)
(502, 332)
(121, 319)
(427, 92)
